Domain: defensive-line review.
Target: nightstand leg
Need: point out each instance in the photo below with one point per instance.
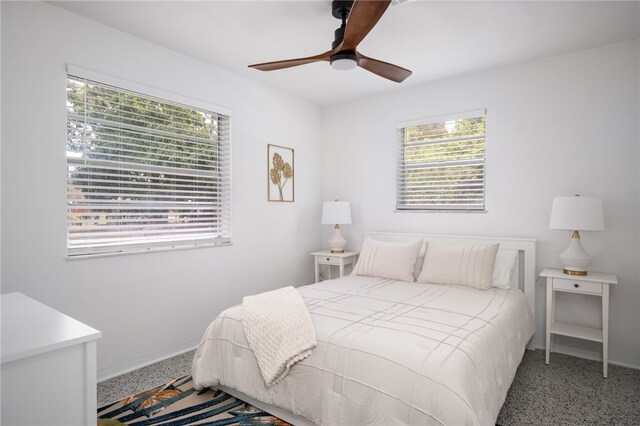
(549, 307)
(341, 269)
(317, 272)
(605, 328)
(553, 318)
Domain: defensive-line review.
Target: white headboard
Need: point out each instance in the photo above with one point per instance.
(525, 273)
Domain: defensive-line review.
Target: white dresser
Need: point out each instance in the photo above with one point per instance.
(48, 365)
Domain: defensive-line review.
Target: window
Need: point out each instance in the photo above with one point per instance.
(441, 163)
(143, 172)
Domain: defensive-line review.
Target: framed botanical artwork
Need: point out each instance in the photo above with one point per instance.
(280, 174)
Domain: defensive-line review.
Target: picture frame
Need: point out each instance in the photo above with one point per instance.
(280, 174)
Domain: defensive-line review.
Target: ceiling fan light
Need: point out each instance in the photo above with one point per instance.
(344, 61)
(344, 64)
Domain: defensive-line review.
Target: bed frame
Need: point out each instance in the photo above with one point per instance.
(524, 276)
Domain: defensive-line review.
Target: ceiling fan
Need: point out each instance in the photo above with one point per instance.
(358, 18)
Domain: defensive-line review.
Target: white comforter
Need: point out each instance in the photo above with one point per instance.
(389, 352)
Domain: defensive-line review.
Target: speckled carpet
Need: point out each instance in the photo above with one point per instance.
(569, 391)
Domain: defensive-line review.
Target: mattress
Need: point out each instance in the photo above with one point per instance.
(389, 352)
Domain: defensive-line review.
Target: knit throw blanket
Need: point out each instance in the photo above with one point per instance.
(279, 330)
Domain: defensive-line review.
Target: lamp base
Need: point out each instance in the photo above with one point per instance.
(337, 243)
(577, 273)
(575, 258)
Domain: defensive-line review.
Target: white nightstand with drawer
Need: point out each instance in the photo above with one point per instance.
(594, 284)
(333, 259)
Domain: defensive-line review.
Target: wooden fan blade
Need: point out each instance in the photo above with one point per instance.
(364, 15)
(288, 63)
(383, 69)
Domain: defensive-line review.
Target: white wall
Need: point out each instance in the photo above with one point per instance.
(152, 304)
(558, 126)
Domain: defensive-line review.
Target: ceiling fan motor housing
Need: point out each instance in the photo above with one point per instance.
(338, 36)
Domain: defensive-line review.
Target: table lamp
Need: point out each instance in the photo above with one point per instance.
(576, 214)
(336, 213)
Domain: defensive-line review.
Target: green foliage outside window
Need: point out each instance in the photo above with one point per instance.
(443, 165)
(126, 152)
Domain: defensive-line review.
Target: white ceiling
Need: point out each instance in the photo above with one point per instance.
(433, 39)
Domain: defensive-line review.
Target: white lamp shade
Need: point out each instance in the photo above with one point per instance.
(577, 213)
(336, 213)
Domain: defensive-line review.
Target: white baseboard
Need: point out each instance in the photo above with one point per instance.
(590, 355)
(127, 367)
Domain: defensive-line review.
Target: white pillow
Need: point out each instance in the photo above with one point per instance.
(469, 265)
(388, 260)
(506, 261)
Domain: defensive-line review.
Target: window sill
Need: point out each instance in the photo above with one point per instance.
(147, 250)
(439, 211)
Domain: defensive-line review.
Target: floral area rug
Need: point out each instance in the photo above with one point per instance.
(177, 403)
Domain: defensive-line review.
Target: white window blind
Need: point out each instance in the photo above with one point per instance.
(441, 163)
(143, 172)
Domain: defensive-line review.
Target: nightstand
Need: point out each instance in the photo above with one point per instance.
(594, 284)
(333, 259)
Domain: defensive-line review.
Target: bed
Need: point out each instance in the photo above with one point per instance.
(389, 352)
